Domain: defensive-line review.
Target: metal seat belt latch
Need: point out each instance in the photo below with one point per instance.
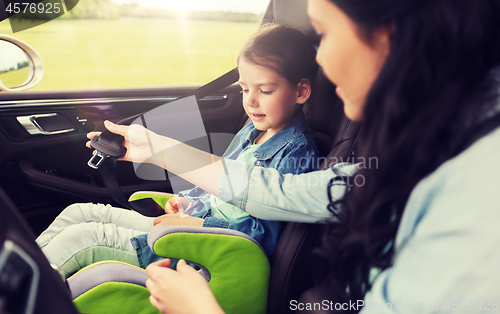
(105, 147)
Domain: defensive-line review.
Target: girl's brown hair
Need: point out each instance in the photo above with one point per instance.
(283, 49)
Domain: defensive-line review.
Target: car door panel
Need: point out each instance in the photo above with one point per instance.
(52, 169)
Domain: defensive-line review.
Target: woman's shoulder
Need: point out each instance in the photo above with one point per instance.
(450, 223)
(460, 194)
(478, 160)
(475, 169)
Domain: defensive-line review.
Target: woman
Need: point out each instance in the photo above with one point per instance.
(417, 231)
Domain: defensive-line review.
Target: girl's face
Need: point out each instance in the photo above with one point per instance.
(348, 61)
(268, 98)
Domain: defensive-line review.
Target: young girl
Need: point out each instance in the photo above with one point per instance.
(277, 67)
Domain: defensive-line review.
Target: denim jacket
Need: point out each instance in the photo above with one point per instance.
(290, 150)
(446, 246)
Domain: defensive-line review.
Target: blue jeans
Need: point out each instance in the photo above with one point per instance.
(88, 233)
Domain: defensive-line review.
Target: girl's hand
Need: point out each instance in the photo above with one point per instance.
(180, 291)
(178, 220)
(177, 205)
(139, 141)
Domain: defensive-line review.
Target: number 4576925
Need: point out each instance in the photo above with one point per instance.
(14, 8)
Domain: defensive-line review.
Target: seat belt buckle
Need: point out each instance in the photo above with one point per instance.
(105, 148)
(96, 159)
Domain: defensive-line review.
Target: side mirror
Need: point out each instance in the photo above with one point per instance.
(21, 67)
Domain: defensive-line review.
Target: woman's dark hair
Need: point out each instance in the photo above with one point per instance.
(283, 49)
(430, 92)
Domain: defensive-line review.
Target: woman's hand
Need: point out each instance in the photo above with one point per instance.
(141, 143)
(177, 205)
(194, 165)
(178, 220)
(180, 291)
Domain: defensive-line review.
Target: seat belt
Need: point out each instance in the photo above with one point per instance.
(108, 147)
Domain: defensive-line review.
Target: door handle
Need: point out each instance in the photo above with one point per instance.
(57, 123)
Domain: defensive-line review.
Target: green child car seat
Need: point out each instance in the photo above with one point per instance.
(233, 263)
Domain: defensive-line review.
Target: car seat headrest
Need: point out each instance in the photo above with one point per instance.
(290, 12)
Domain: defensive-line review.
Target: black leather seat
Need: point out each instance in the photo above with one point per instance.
(293, 259)
(28, 284)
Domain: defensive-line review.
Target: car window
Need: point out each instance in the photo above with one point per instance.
(134, 46)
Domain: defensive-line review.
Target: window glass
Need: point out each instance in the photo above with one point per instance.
(135, 45)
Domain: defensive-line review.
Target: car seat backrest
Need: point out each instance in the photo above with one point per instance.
(290, 12)
(324, 115)
(293, 261)
(335, 134)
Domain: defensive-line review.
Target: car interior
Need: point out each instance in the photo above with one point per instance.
(41, 174)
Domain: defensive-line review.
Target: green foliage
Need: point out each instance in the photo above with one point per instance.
(136, 10)
(93, 9)
(133, 52)
(225, 16)
(14, 77)
(106, 9)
